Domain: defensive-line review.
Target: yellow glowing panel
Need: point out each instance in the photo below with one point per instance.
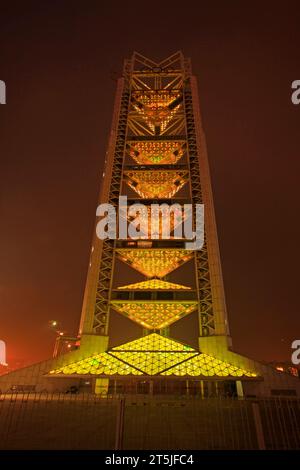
(154, 262)
(156, 222)
(208, 366)
(154, 342)
(158, 184)
(99, 364)
(154, 315)
(157, 107)
(156, 98)
(154, 284)
(156, 152)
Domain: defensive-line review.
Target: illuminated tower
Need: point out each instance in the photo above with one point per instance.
(156, 154)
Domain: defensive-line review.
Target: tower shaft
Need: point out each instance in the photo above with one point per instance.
(157, 106)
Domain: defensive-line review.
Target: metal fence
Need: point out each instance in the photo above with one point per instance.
(86, 421)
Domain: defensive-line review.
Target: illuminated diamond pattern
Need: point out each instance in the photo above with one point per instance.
(154, 262)
(154, 315)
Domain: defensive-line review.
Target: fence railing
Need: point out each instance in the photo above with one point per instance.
(87, 421)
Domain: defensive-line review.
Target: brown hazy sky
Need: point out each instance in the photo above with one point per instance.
(59, 60)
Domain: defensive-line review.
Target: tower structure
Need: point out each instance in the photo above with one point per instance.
(156, 154)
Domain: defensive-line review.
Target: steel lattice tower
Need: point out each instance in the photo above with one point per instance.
(156, 153)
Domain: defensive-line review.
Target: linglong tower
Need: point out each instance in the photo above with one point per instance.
(156, 154)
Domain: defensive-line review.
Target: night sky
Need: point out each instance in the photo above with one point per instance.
(60, 61)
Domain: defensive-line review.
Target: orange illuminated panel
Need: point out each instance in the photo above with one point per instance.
(152, 354)
(154, 284)
(157, 107)
(157, 222)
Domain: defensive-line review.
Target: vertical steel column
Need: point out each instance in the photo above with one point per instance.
(206, 317)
